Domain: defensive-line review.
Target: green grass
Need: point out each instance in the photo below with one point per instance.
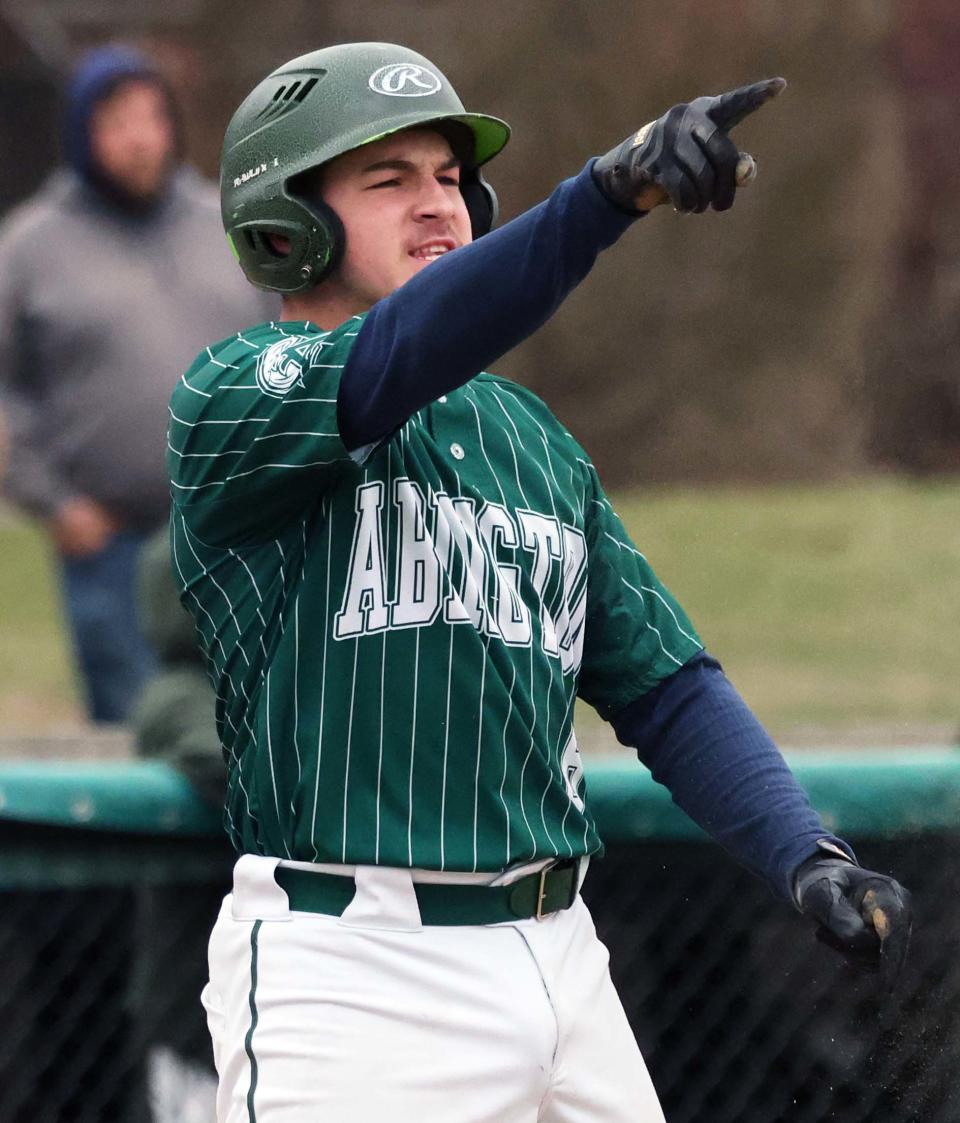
(836, 608)
(37, 688)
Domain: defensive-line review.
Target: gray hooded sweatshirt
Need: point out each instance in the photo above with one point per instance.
(101, 312)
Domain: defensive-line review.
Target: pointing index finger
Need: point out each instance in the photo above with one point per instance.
(729, 109)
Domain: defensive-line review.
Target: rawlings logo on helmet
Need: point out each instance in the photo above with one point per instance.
(404, 79)
(279, 368)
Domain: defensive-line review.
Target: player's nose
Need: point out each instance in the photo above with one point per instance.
(434, 200)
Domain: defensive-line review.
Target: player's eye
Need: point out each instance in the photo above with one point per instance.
(449, 179)
(393, 181)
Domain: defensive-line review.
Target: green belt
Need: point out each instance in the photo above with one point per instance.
(537, 894)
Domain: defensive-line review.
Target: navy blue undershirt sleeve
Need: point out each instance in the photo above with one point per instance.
(701, 741)
(465, 310)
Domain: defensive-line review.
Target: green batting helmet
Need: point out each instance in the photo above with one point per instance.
(311, 110)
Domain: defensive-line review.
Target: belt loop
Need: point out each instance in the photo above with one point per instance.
(385, 898)
(256, 894)
(542, 893)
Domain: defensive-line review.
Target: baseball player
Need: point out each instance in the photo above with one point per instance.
(404, 571)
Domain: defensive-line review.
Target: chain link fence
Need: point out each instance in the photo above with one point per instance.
(100, 1019)
(742, 1015)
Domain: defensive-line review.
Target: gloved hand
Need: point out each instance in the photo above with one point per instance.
(686, 153)
(865, 915)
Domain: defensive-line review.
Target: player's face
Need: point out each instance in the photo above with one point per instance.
(400, 204)
(132, 137)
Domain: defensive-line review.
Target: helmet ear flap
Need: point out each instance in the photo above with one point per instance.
(481, 201)
(313, 239)
(326, 244)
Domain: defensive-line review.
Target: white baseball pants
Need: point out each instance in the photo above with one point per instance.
(371, 1017)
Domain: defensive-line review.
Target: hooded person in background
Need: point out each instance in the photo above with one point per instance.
(111, 277)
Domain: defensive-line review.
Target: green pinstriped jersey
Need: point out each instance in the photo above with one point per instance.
(397, 639)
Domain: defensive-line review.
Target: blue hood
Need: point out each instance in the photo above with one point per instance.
(96, 76)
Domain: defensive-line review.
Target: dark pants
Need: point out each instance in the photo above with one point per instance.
(100, 593)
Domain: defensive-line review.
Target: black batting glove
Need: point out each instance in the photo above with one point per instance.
(865, 915)
(686, 152)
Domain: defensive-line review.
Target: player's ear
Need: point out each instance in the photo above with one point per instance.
(279, 243)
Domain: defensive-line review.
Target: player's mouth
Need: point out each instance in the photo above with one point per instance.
(430, 251)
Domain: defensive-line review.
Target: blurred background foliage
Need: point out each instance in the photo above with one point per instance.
(808, 337)
(809, 332)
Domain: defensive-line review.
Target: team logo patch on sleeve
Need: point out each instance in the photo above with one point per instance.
(280, 367)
